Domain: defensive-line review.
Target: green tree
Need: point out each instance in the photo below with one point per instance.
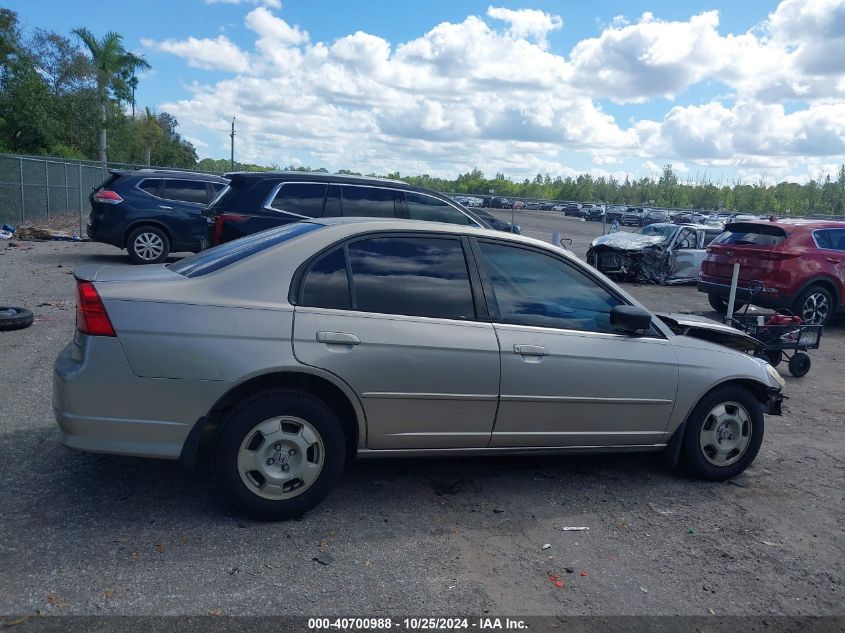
(113, 65)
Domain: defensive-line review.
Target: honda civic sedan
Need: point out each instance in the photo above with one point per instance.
(307, 345)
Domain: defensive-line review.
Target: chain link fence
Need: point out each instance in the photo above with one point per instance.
(38, 188)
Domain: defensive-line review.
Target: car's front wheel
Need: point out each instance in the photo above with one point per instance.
(279, 454)
(723, 433)
(148, 245)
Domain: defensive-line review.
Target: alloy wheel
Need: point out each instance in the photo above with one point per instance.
(816, 308)
(148, 246)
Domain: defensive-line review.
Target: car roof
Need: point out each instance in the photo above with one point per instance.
(316, 175)
(169, 173)
(401, 224)
(790, 225)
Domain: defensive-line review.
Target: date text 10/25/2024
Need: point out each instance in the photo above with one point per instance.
(416, 624)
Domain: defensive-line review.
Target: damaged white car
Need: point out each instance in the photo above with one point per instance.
(661, 253)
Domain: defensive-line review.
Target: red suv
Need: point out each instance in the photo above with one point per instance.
(800, 264)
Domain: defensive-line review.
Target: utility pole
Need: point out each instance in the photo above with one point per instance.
(232, 158)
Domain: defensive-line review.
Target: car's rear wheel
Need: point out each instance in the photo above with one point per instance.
(279, 454)
(148, 245)
(720, 304)
(723, 433)
(815, 305)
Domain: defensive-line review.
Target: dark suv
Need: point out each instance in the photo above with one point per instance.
(256, 201)
(152, 213)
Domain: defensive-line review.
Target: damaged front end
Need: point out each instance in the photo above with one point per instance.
(710, 330)
(632, 257)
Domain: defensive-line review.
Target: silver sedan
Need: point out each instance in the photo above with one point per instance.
(305, 346)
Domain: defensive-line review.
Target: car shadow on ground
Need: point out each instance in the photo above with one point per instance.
(82, 490)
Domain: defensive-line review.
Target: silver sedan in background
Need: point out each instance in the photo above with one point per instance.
(307, 345)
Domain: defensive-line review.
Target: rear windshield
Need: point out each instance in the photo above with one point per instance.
(752, 235)
(227, 254)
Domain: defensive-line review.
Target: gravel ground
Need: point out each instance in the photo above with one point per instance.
(93, 534)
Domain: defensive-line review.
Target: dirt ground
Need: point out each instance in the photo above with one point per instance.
(94, 534)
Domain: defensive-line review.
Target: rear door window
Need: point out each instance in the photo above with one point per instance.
(186, 191)
(326, 284)
(150, 185)
(300, 198)
(422, 207)
(414, 276)
(370, 202)
(833, 239)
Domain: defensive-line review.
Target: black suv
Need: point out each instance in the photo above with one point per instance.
(152, 213)
(256, 201)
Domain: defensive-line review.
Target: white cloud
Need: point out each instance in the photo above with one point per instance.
(490, 93)
(273, 4)
(527, 23)
(206, 53)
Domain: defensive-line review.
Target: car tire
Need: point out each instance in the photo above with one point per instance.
(278, 454)
(814, 305)
(720, 304)
(723, 434)
(12, 318)
(148, 245)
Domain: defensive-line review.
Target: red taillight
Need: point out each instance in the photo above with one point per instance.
(91, 315)
(107, 196)
(220, 220)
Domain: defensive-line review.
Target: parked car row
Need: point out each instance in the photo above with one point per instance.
(153, 213)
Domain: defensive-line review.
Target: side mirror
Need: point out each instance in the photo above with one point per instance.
(630, 319)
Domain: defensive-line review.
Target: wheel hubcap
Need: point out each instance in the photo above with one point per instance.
(281, 457)
(148, 246)
(725, 434)
(816, 308)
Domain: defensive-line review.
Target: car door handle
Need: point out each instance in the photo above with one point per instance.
(832, 260)
(164, 206)
(338, 338)
(530, 350)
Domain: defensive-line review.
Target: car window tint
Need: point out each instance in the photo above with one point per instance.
(186, 191)
(411, 275)
(216, 187)
(150, 185)
(752, 235)
(326, 285)
(369, 202)
(830, 238)
(422, 207)
(332, 208)
(301, 198)
(532, 288)
(837, 239)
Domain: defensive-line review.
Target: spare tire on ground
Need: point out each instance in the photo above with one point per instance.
(14, 318)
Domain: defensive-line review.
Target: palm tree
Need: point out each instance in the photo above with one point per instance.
(113, 66)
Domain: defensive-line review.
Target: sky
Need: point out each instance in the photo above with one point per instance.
(724, 90)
